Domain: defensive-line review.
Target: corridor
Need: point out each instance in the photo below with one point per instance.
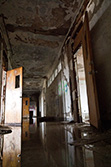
(55, 144)
(55, 83)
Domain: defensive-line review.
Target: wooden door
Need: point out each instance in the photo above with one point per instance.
(25, 130)
(12, 148)
(83, 39)
(90, 77)
(26, 102)
(13, 111)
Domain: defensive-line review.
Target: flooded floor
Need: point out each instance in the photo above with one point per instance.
(55, 144)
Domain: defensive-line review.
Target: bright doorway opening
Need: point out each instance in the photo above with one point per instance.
(81, 85)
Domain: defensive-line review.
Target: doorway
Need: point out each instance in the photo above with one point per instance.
(3, 83)
(86, 103)
(81, 85)
(31, 117)
(31, 114)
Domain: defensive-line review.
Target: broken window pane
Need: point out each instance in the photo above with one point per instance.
(17, 81)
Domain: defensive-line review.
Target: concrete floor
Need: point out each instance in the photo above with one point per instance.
(55, 144)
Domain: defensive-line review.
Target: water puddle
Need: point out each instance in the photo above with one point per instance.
(49, 145)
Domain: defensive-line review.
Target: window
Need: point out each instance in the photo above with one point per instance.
(55, 72)
(17, 81)
(59, 67)
(26, 102)
(50, 80)
(52, 77)
(48, 83)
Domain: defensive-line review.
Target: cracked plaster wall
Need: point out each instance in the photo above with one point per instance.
(101, 47)
(99, 12)
(0, 79)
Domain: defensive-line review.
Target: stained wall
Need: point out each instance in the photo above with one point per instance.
(58, 99)
(101, 47)
(99, 12)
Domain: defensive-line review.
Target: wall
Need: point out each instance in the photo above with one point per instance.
(53, 99)
(6, 41)
(58, 100)
(0, 80)
(101, 47)
(6, 46)
(99, 12)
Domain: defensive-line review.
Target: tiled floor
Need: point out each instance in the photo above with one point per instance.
(55, 144)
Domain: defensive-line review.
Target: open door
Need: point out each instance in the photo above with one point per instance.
(82, 40)
(26, 103)
(12, 148)
(13, 111)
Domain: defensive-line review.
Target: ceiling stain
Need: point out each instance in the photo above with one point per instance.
(37, 29)
(39, 42)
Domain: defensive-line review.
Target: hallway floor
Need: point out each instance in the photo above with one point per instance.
(55, 144)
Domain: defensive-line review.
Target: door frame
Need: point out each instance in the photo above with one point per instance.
(4, 68)
(81, 37)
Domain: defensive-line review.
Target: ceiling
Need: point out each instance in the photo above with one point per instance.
(36, 30)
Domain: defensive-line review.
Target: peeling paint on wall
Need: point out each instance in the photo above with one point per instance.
(95, 10)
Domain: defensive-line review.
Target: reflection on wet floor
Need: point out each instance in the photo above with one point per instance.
(25, 130)
(54, 144)
(12, 148)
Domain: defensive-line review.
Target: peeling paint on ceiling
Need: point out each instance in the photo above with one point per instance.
(36, 30)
